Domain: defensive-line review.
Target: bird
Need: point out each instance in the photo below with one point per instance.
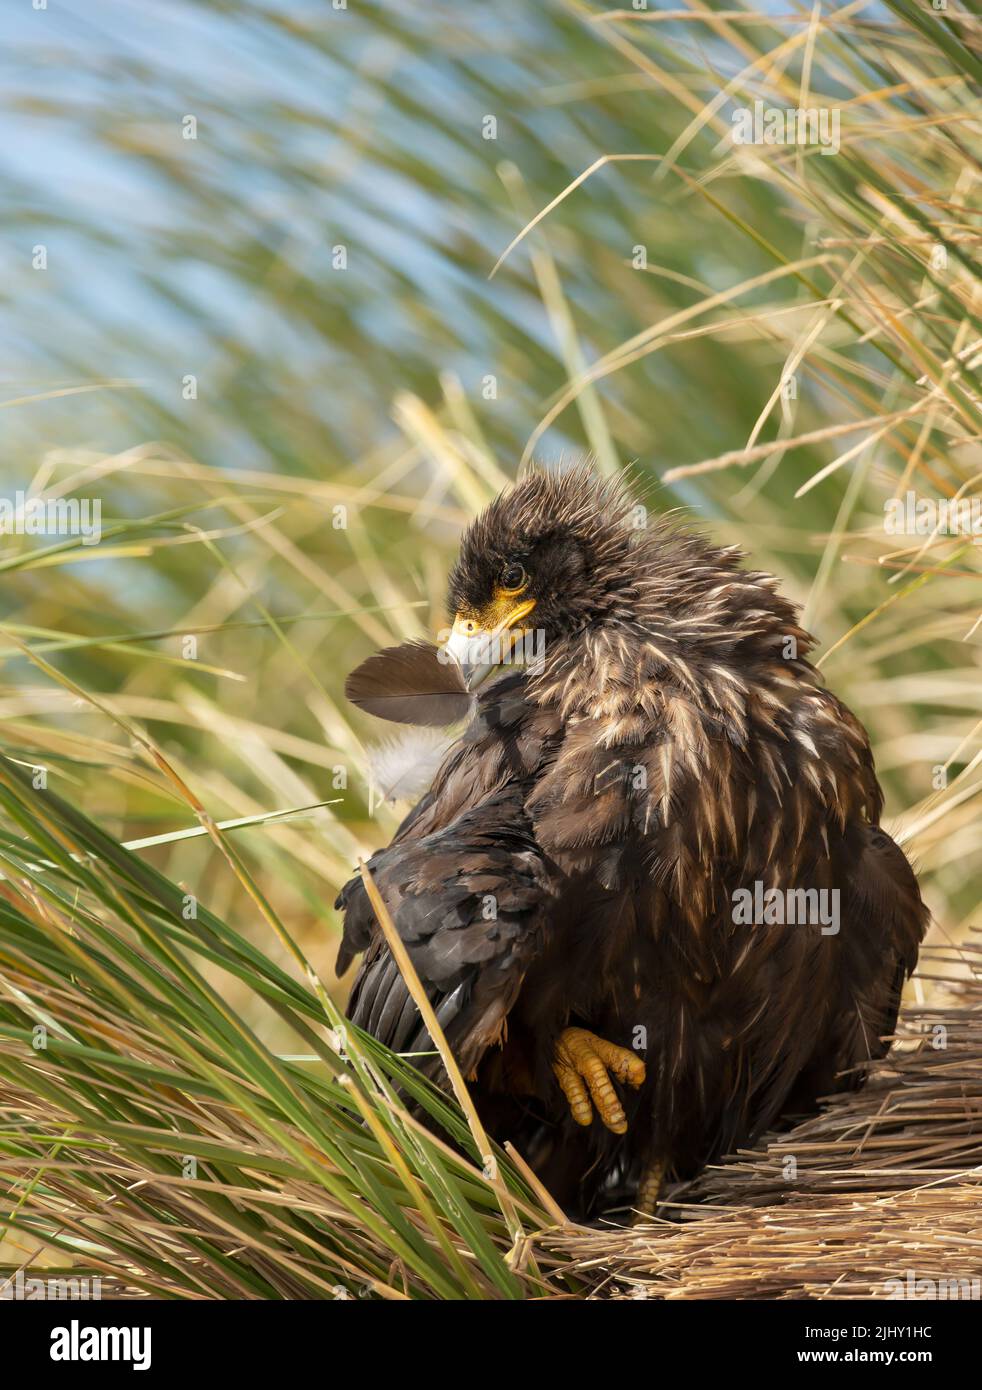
(647, 893)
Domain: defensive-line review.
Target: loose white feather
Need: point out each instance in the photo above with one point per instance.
(403, 768)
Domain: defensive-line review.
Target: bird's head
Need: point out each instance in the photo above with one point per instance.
(551, 555)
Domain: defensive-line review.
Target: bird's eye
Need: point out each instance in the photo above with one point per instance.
(514, 578)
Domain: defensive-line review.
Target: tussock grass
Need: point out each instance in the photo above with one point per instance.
(149, 1133)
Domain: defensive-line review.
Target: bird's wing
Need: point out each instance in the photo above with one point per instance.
(467, 901)
(884, 921)
(465, 884)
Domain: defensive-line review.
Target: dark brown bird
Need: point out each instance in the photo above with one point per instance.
(647, 892)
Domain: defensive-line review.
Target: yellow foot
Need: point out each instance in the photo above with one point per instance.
(582, 1057)
(649, 1190)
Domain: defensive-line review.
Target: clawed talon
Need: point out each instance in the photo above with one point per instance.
(649, 1190)
(581, 1057)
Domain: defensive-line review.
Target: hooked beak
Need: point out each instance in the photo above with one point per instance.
(478, 645)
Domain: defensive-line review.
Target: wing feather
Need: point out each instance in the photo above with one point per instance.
(468, 901)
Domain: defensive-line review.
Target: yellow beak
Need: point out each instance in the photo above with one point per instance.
(480, 640)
